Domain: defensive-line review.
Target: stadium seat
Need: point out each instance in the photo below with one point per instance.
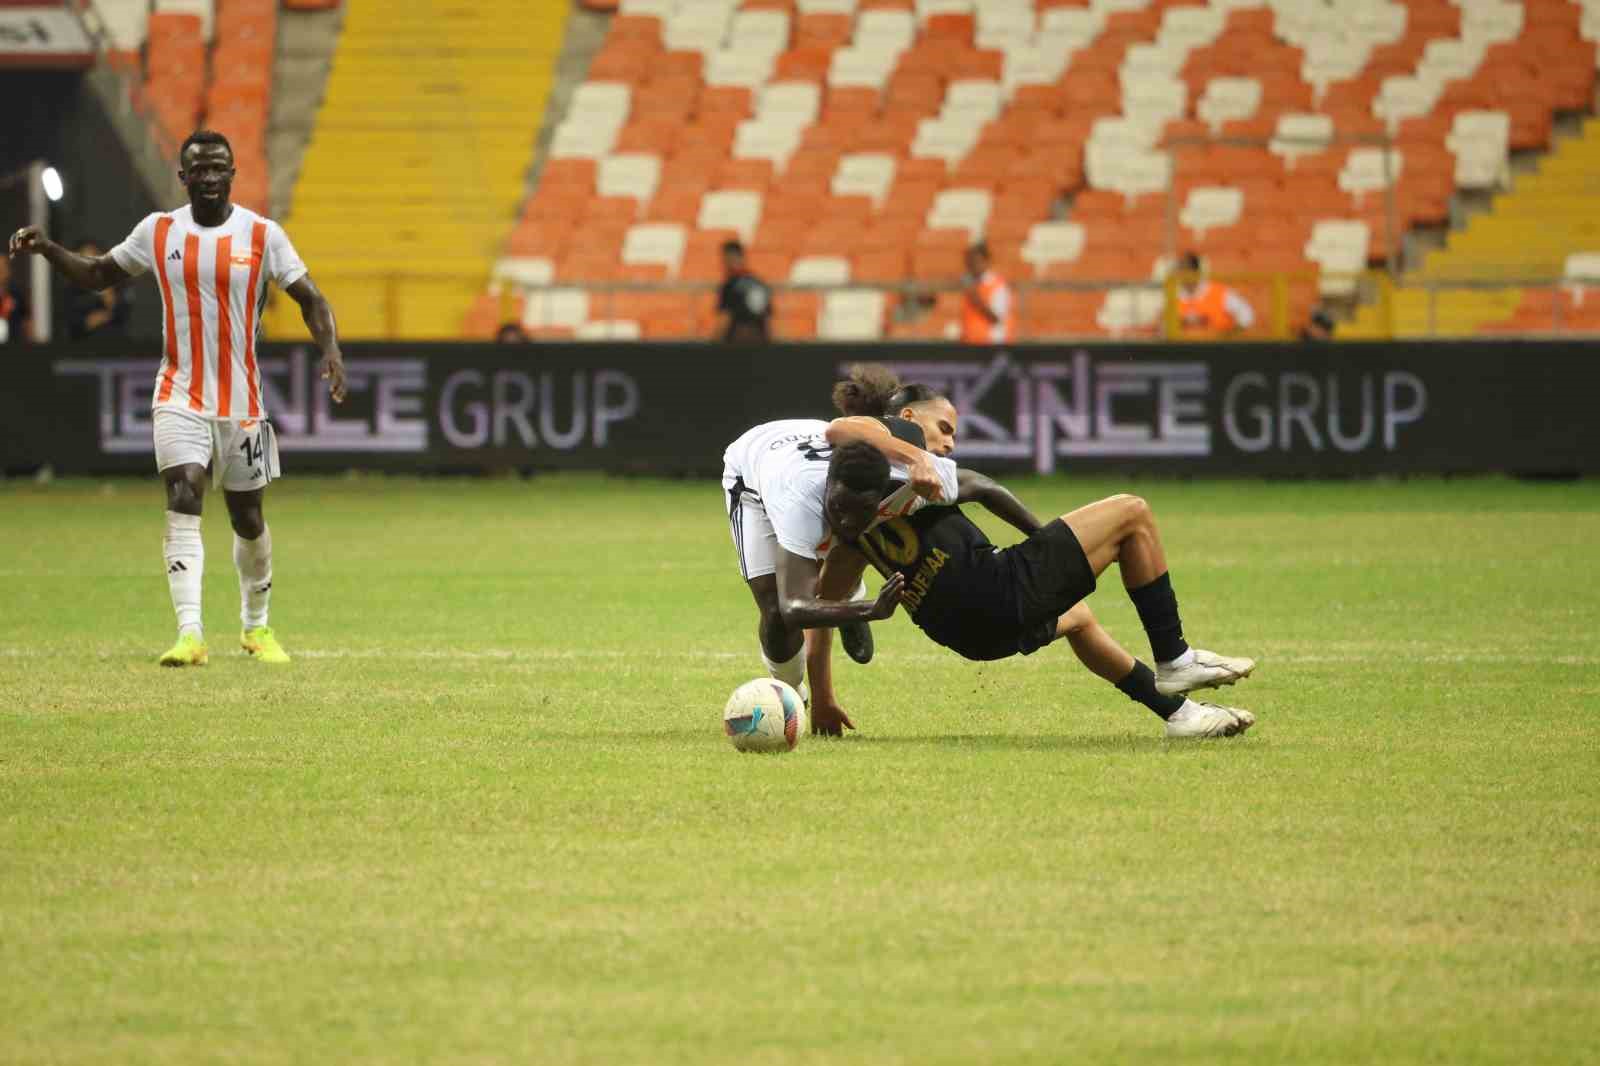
(820, 270)
(851, 315)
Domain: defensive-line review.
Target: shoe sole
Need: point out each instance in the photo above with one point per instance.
(255, 653)
(1202, 686)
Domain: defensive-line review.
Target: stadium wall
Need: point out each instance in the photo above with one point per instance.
(59, 120)
(1234, 410)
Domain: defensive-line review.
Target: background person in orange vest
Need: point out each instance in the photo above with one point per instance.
(986, 314)
(1209, 308)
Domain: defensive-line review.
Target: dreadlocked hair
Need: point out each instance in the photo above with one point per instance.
(867, 391)
(859, 467)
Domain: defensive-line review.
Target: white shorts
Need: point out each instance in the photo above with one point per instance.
(243, 455)
(753, 536)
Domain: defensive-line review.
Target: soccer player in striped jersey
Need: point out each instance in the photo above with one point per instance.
(212, 260)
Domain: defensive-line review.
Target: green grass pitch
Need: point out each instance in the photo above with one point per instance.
(487, 814)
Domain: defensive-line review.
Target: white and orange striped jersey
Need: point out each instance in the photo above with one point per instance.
(213, 285)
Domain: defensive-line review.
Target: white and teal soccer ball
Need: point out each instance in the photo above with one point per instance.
(764, 715)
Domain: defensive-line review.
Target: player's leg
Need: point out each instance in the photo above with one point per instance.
(183, 450)
(252, 559)
(1122, 530)
(1104, 657)
(756, 544)
(244, 473)
(782, 649)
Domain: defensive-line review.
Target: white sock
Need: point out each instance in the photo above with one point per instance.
(1180, 662)
(253, 560)
(792, 673)
(185, 554)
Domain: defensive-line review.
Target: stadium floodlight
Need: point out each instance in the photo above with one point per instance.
(50, 180)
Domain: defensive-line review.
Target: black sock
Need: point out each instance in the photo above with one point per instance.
(1157, 605)
(1140, 687)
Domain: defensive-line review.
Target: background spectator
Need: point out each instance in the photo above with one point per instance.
(744, 303)
(96, 314)
(1206, 308)
(986, 314)
(1319, 327)
(511, 333)
(14, 325)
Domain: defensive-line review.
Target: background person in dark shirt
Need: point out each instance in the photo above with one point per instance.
(14, 325)
(96, 314)
(744, 303)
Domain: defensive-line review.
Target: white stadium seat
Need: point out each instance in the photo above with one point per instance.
(521, 271)
(1228, 99)
(564, 308)
(632, 174)
(735, 209)
(1212, 206)
(654, 242)
(1370, 170)
(966, 209)
(790, 102)
(1130, 308)
(1053, 242)
(864, 174)
(603, 102)
(1481, 142)
(1339, 247)
(608, 329)
(1299, 134)
(851, 315)
(754, 139)
(820, 270)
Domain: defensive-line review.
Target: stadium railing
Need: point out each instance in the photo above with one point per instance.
(918, 311)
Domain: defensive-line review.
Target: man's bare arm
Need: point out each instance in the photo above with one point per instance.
(918, 463)
(87, 272)
(1000, 501)
(318, 316)
(800, 608)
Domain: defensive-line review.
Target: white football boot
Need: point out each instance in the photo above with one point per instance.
(1207, 720)
(1205, 669)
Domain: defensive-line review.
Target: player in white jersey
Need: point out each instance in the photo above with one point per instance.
(212, 260)
(789, 493)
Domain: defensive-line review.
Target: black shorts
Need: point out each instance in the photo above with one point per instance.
(1044, 576)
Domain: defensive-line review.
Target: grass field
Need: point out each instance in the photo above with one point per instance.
(487, 814)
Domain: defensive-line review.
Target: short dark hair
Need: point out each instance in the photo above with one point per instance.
(859, 467)
(732, 248)
(204, 137)
(979, 248)
(1189, 261)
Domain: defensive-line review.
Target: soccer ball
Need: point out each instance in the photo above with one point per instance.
(764, 715)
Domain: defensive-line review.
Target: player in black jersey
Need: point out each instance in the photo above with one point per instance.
(989, 603)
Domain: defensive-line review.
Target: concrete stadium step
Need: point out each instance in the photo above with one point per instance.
(419, 153)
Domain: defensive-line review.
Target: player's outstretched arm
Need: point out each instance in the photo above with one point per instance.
(318, 315)
(1000, 501)
(801, 609)
(87, 272)
(923, 475)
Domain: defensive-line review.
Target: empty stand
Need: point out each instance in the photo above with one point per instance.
(868, 142)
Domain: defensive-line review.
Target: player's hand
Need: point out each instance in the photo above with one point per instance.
(27, 240)
(828, 719)
(332, 371)
(888, 597)
(924, 477)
